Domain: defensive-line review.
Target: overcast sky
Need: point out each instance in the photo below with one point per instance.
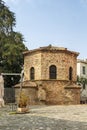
(57, 22)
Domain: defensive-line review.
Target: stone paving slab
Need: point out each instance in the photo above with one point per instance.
(72, 117)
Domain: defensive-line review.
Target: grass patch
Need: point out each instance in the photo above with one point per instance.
(12, 113)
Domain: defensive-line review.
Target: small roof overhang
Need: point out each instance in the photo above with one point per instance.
(24, 84)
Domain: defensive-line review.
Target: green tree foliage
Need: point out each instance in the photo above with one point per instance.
(81, 80)
(7, 18)
(11, 46)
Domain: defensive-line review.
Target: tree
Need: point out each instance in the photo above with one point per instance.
(11, 46)
(81, 80)
(7, 19)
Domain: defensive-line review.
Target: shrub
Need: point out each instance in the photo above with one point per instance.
(23, 100)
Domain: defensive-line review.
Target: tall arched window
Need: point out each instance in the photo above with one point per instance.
(32, 73)
(70, 73)
(52, 72)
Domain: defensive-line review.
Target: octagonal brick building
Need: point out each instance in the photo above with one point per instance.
(52, 70)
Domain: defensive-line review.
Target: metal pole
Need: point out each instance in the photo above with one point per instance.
(21, 81)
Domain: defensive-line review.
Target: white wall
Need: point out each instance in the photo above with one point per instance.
(80, 69)
(80, 74)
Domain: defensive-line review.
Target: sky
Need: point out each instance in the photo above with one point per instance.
(60, 23)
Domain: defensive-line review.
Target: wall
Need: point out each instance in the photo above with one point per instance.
(30, 91)
(57, 94)
(80, 65)
(53, 91)
(81, 71)
(62, 60)
(78, 69)
(32, 60)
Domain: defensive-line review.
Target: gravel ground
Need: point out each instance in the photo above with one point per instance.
(72, 117)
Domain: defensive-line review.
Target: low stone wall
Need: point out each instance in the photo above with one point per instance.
(31, 92)
(52, 92)
(56, 93)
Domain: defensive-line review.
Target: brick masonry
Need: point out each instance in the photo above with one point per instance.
(53, 91)
(42, 60)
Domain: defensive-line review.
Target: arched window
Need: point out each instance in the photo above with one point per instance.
(32, 73)
(52, 72)
(70, 73)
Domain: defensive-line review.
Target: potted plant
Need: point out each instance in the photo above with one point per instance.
(23, 102)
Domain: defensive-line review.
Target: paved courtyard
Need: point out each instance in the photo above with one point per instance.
(72, 117)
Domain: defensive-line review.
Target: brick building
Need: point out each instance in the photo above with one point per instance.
(50, 74)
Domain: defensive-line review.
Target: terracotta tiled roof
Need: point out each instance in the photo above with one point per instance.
(72, 86)
(50, 48)
(26, 84)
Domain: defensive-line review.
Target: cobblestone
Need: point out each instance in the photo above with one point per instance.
(72, 117)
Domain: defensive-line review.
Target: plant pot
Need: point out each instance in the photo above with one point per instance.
(22, 110)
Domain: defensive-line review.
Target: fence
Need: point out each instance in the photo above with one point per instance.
(9, 95)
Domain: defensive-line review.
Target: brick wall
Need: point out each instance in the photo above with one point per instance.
(53, 91)
(31, 92)
(57, 94)
(42, 60)
(62, 61)
(32, 60)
